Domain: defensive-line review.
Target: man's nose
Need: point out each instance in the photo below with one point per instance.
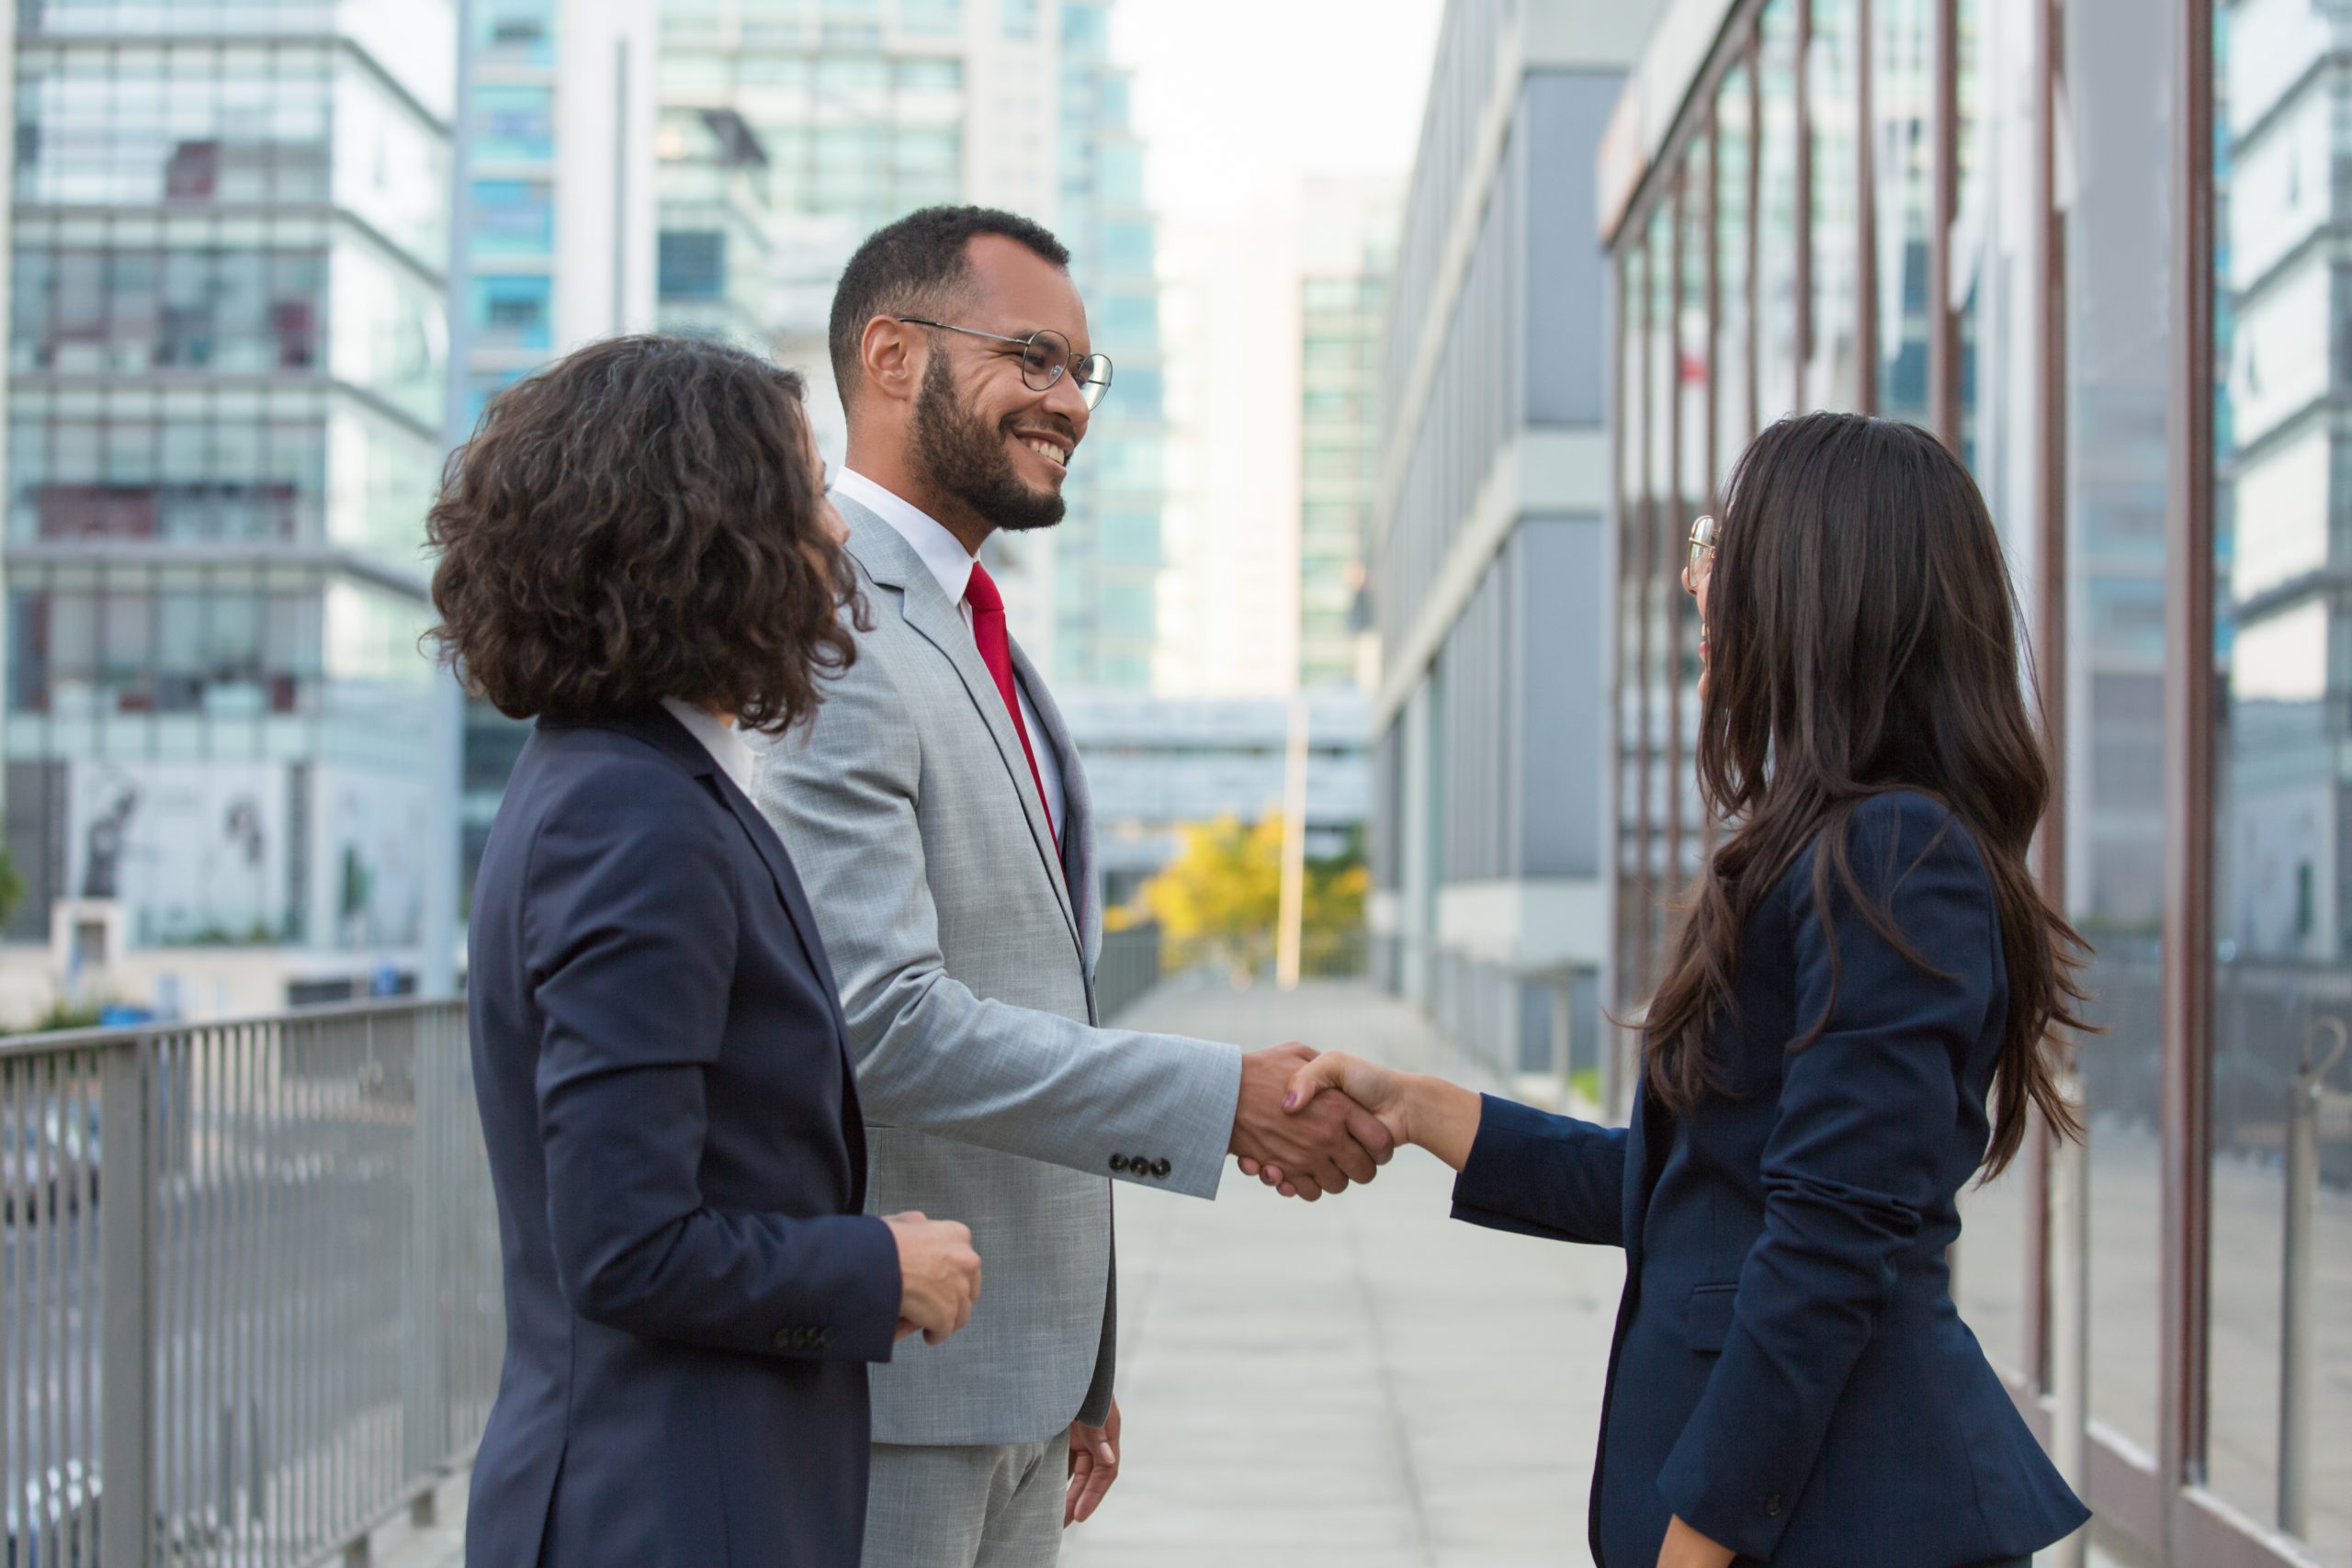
(1067, 399)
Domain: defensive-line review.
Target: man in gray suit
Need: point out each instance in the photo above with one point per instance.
(938, 814)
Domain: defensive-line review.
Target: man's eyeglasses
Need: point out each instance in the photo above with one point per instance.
(1703, 554)
(1046, 358)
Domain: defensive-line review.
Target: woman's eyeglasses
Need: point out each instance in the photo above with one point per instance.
(1703, 554)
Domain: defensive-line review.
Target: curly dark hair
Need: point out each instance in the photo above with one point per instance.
(639, 521)
(917, 267)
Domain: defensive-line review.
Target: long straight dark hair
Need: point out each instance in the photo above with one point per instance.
(1862, 638)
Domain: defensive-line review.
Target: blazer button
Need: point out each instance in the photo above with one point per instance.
(824, 1337)
(1773, 1506)
(1139, 1164)
(1119, 1162)
(1160, 1168)
(782, 1340)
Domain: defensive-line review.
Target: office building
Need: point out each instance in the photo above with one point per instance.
(863, 110)
(561, 163)
(2094, 248)
(1348, 237)
(1156, 765)
(1105, 557)
(1488, 551)
(226, 395)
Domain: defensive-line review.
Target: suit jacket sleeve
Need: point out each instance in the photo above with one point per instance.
(1538, 1174)
(631, 937)
(1848, 1167)
(931, 1053)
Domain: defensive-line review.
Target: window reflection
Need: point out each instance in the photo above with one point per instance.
(2283, 809)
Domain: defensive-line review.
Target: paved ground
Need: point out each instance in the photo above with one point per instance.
(1361, 1383)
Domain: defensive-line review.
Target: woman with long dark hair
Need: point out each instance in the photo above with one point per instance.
(1854, 1021)
(637, 552)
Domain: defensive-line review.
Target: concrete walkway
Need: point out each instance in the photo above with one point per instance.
(1358, 1384)
(1361, 1384)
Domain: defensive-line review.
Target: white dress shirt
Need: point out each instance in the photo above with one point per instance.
(724, 743)
(952, 565)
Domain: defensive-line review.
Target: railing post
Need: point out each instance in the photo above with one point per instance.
(424, 1439)
(2297, 1323)
(2070, 1320)
(126, 1339)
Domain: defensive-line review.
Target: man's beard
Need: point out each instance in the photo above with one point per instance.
(964, 458)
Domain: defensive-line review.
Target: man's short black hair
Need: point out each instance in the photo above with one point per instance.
(915, 267)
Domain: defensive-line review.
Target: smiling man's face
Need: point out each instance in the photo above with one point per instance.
(980, 433)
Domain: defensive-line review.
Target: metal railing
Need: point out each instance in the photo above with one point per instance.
(250, 1302)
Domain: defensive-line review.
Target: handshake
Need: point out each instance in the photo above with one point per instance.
(1286, 1131)
(1305, 1143)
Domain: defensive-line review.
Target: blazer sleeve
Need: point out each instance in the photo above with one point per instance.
(1537, 1173)
(930, 1054)
(1850, 1166)
(630, 934)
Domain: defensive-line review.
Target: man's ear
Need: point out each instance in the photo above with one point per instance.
(891, 356)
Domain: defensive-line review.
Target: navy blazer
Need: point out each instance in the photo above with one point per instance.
(1789, 1373)
(666, 1096)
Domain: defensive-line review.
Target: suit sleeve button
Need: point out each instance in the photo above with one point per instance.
(1160, 1168)
(824, 1337)
(1119, 1163)
(1773, 1506)
(1139, 1164)
(782, 1339)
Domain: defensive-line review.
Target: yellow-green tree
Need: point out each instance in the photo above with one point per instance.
(1218, 900)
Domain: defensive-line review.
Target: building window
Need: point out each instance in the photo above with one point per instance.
(514, 124)
(693, 266)
(514, 312)
(513, 217)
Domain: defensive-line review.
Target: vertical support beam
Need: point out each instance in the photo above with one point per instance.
(1645, 567)
(126, 1310)
(1804, 210)
(1679, 211)
(1943, 321)
(2185, 1095)
(1755, 222)
(1866, 349)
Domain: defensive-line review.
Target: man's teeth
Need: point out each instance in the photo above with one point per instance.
(1049, 451)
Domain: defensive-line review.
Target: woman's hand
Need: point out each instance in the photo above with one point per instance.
(1441, 1117)
(1686, 1548)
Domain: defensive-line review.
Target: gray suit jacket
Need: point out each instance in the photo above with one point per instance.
(966, 968)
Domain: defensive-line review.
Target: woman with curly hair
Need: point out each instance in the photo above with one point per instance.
(637, 552)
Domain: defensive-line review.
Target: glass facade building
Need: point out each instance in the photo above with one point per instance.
(1106, 555)
(1489, 549)
(1348, 251)
(2098, 248)
(560, 243)
(227, 367)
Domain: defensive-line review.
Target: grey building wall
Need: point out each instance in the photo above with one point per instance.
(1488, 773)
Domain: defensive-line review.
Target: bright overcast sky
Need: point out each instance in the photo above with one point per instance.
(1240, 98)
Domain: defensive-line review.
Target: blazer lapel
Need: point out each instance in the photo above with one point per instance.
(1646, 1136)
(1077, 807)
(891, 562)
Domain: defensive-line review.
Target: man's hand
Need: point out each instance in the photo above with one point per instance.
(1093, 1465)
(1318, 1149)
(939, 1275)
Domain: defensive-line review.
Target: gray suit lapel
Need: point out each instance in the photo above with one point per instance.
(1078, 805)
(892, 563)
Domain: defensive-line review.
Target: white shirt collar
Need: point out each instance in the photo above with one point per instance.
(723, 741)
(940, 550)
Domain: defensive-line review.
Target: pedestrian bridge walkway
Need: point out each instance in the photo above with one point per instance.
(1361, 1384)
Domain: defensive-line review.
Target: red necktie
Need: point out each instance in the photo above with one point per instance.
(996, 652)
